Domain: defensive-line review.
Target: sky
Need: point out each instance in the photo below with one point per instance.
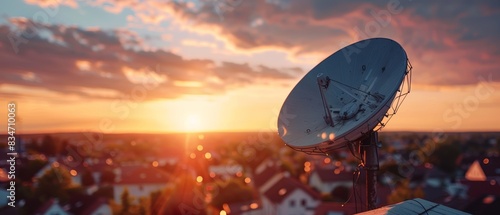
(227, 65)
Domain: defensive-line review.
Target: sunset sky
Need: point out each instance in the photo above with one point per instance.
(219, 65)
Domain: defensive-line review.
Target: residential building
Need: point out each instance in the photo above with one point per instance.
(139, 181)
(289, 196)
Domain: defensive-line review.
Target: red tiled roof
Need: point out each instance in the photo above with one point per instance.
(143, 175)
(284, 187)
(264, 176)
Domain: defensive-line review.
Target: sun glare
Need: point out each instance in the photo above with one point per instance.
(192, 123)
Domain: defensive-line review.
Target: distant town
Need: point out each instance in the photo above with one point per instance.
(241, 173)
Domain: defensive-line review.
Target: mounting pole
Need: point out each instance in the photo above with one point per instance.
(368, 149)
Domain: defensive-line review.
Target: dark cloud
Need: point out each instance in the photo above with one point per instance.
(450, 43)
(257, 24)
(69, 59)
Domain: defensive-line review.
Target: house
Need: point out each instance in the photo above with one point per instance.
(277, 190)
(139, 181)
(51, 207)
(485, 169)
(97, 166)
(327, 179)
(289, 196)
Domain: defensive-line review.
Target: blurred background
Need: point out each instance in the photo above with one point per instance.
(170, 107)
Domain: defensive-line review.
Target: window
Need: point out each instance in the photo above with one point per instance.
(303, 202)
(292, 203)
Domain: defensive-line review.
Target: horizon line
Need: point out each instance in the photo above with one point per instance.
(236, 131)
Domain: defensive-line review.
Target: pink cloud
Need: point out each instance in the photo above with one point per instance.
(113, 61)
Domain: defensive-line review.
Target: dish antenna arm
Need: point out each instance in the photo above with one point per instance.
(323, 83)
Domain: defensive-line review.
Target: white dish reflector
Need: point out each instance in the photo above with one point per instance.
(346, 96)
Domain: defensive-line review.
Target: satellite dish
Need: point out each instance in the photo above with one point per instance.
(351, 93)
(345, 100)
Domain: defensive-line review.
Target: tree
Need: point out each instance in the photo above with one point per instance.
(155, 198)
(143, 206)
(49, 146)
(54, 183)
(185, 198)
(289, 167)
(115, 207)
(27, 193)
(445, 156)
(233, 191)
(29, 169)
(126, 202)
(403, 192)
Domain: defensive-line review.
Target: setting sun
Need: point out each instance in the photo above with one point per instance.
(192, 123)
